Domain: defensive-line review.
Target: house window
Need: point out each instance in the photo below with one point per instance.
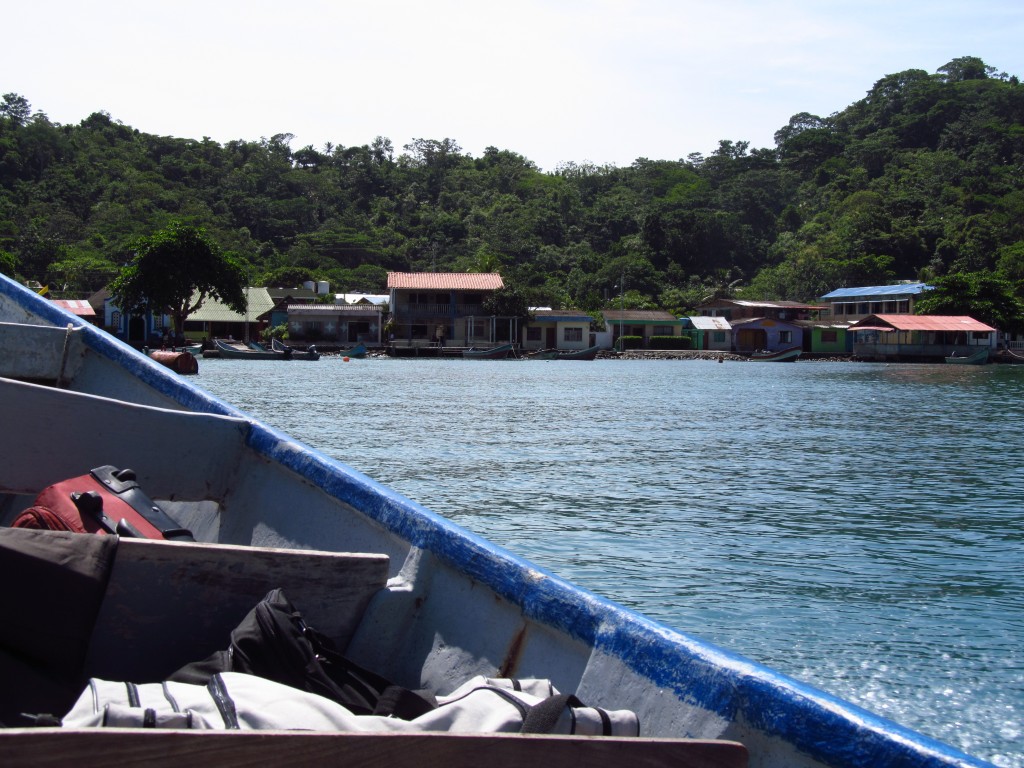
(572, 334)
(785, 337)
(664, 330)
(533, 333)
(830, 337)
(718, 337)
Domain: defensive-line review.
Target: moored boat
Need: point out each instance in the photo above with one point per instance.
(489, 353)
(565, 354)
(452, 605)
(779, 356)
(981, 357)
(280, 347)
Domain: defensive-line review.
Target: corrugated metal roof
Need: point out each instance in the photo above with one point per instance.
(564, 315)
(80, 307)
(333, 309)
(215, 311)
(445, 281)
(704, 323)
(640, 315)
(771, 304)
(921, 323)
(900, 289)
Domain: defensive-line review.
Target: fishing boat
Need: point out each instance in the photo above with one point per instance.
(280, 347)
(781, 356)
(233, 350)
(975, 358)
(565, 354)
(489, 353)
(358, 351)
(446, 606)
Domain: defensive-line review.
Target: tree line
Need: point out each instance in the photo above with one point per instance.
(922, 179)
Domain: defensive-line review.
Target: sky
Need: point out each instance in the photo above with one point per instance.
(564, 81)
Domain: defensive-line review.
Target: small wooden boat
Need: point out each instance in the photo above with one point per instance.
(492, 353)
(235, 350)
(280, 347)
(450, 604)
(781, 356)
(565, 354)
(358, 351)
(975, 358)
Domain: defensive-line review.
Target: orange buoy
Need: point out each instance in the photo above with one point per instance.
(345, 358)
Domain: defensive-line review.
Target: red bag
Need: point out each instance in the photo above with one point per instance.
(107, 500)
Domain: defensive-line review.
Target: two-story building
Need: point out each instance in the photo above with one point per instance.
(852, 304)
(445, 308)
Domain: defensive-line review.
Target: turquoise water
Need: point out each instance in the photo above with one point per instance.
(855, 526)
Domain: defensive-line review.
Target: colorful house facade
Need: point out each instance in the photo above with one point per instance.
(921, 338)
(708, 332)
(645, 323)
(566, 329)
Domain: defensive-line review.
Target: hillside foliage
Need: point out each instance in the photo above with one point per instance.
(921, 179)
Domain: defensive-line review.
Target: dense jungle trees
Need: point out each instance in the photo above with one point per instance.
(922, 178)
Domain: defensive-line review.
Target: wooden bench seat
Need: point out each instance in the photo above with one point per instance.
(45, 747)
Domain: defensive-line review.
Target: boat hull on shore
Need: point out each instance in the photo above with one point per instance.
(780, 356)
(454, 604)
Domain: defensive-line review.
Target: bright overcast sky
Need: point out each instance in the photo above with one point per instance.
(565, 80)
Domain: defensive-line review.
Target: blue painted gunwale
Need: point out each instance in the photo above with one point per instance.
(825, 727)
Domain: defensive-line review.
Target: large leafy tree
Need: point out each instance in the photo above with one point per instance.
(175, 271)
(981, 295)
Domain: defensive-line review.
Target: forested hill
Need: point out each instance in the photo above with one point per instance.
(921, 178)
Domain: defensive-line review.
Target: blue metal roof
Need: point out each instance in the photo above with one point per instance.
(901, 289)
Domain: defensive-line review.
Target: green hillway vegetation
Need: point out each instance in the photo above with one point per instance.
(923, 179)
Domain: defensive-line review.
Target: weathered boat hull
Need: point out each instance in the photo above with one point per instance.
(781, 356)
(561, 354)
(981, 357)
(307, 354)
(493, 353)
(455, 604)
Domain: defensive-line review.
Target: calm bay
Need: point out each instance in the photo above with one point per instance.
(855, 526)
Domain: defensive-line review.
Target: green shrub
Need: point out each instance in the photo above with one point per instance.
(629, 342)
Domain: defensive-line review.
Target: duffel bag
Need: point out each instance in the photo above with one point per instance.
(236, 701)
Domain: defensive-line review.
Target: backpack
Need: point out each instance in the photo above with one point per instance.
(107, 500)
(274, 642)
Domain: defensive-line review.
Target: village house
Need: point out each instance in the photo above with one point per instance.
(742, 309)
(713, 333)
(342, 323)
(919, 338)
(644, 323)
(215, 319)
(438, 308)
(566, 329)
(136, 329)
(851, 304)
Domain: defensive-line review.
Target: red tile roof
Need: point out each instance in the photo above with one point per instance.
(79, 307)
(445, 281)
(922, 323)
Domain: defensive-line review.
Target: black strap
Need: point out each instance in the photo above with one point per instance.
(543, 717)
(225, 705)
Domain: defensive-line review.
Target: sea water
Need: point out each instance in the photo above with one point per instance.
(855, 526)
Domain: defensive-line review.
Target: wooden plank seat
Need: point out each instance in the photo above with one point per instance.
(44, 747)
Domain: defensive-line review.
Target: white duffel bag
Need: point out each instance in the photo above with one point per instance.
(236, 701)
